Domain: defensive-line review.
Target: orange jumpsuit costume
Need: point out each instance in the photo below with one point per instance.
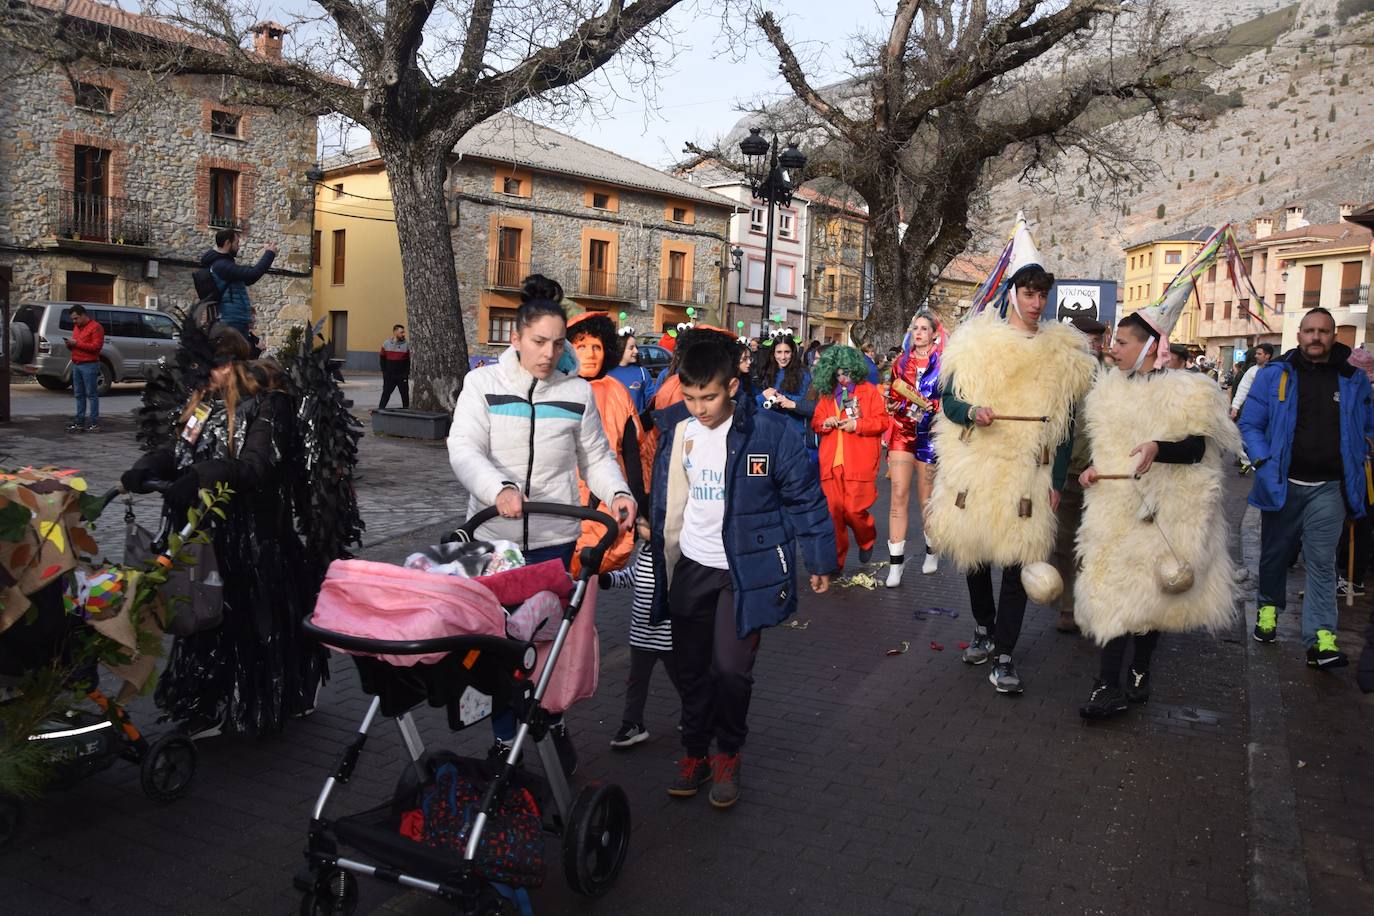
(849, 464)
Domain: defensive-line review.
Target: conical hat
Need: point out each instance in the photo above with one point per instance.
(1164, 315)
(1023, 251)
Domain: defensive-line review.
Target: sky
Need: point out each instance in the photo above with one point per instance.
(697, 99)
(698, 92)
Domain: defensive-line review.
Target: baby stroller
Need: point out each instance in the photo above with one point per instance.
(594, 826)
(78, 743)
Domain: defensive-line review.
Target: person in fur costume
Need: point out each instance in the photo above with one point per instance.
(593, 338)
(1010, 386)
(850, 420)
(1157, 438)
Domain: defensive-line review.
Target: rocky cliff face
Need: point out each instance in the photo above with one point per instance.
(1300, 136)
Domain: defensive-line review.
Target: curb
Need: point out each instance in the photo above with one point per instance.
(1278, 870)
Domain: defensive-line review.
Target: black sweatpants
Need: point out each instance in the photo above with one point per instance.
(715, 668)
(637, 683)
(1002, 617)
(1114, 655)
(392, 383)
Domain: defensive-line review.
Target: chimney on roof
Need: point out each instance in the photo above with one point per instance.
(1347, 209)
(1264, 227)
(267, 37)
(1292, 218)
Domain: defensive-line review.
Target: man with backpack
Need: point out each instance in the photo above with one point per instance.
(221, 279)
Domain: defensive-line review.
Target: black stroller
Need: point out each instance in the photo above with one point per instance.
(595, 826)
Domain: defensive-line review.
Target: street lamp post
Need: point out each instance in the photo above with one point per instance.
(770, 176)
(736, 258)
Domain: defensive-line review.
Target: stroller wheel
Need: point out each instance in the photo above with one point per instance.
(11, 818)
(336, 891)
(168, 768)
(597, 839)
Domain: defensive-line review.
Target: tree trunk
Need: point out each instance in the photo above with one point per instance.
(900, 276)
(438, 340)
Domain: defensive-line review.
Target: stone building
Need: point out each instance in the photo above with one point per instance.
(619, 236)
(112, 182)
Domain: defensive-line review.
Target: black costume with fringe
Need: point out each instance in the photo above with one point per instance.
(292, 512)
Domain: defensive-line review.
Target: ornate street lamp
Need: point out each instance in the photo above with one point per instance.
(772, 177)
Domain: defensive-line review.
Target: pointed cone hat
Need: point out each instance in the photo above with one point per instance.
(1164, 315)
(1023, 251)
(1023, 256)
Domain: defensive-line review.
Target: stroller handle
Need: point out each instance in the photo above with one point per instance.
(590, 563)
(495, 644)
(113, 493)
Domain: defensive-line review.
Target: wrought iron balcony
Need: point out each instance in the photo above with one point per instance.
(1354, 295)
(672, 289)
(94, 218)
(606, 284)
(1311, 298)
(504, 273)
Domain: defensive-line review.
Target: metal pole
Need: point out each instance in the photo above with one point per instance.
(767, 192)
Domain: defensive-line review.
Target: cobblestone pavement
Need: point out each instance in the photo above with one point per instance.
(872, 783)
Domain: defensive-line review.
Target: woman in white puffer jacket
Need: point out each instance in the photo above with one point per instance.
(522, 430)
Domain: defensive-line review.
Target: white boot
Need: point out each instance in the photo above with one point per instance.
(895, 551)
(931, 564)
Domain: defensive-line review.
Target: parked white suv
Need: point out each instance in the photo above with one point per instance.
(135, 339)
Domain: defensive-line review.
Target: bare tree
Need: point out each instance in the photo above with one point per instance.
(363, 59)
(958, 91)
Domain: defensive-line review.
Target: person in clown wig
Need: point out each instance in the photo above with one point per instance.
(1009, 387)
(1157, 438)
(850, 420)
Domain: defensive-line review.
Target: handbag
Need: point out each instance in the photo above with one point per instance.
(192, 598)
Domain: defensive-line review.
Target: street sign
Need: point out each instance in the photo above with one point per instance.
(1095, 299)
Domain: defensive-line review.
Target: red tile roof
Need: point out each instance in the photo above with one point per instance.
(1351, 236)
(969, 268)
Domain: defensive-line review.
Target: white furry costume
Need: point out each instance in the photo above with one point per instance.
(1119, 541)
(975, 514)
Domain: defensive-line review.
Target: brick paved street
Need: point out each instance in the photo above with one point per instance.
(872, 784)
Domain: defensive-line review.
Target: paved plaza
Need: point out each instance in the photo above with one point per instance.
(872, 783)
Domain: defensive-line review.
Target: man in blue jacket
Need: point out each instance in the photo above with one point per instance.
(233, 279)
(733, 488)
(1308, 425)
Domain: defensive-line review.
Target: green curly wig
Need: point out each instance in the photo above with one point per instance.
(834, 358)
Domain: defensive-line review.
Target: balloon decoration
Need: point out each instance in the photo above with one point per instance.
(691, 312)
(740, 325)
(623, 316)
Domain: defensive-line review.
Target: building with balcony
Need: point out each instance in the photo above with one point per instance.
(1151, 265)
(839, 264)
(618, 235)
(1231, 322)
(113, 182)
(1333, 274)
(748, 233)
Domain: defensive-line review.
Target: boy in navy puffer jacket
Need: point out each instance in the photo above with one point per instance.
(733, 489)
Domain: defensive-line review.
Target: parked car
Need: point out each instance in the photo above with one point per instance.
(135, 339)
(654, 358)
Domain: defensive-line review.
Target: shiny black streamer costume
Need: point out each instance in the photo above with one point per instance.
(293, 511)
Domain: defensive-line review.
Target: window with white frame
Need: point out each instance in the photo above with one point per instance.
(757, 219)
(787, 225)
(787, 279)
(754, 274)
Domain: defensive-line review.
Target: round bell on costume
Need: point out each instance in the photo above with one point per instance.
(1174, 577)
(1042, 582)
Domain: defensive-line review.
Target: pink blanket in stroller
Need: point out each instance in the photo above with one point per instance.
(381, 601)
